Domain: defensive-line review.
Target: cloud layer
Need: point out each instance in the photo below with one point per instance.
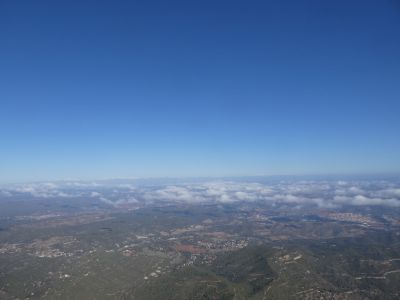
(328, 194)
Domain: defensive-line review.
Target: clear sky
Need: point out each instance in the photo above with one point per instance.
(103, 89)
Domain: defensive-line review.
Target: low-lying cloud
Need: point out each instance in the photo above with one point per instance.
(327, 194)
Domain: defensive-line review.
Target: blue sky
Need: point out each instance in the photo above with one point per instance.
(105, 89)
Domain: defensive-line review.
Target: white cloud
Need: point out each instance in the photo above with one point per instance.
(319, 193)
(5, 193)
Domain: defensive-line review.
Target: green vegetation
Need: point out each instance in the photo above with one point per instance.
(241, 251)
